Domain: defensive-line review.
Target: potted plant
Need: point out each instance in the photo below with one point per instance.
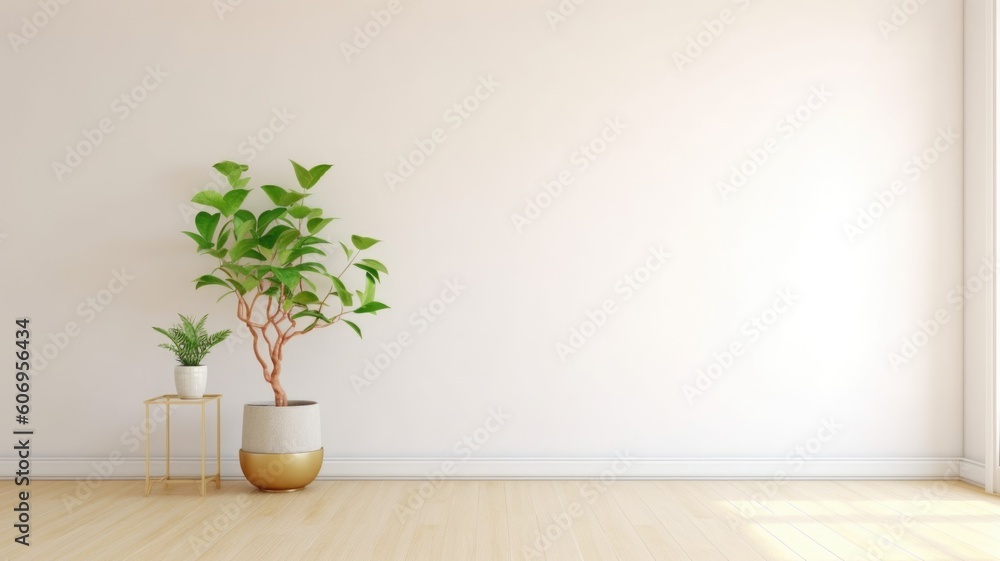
(190, 342)
(271, 263)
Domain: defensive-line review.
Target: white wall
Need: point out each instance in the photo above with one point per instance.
(979, 219)
(655, 186)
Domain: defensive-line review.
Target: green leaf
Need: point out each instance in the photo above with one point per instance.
(233, 200)
(368, 270)
(223, 238)
(371, 308)
(297, 253)
(311, 240)
(236, 269)
(242, 247)
(210, 198)
(250, 284)
(308, 178)
(354, 327)
(342, 292)
(317, 173)
(287, 277)
(237, 286)
(267, 217)
(271, 237)
(227, 204)
(232, 171)
(206, 280)
(369, 293)
(347, 251)
(292, 197)
(362, 242)
(311, 314)
(281, 197)
(203, 244)
(243, 230)
(286, 238)
(305, 298)
(316, 224)
(299, 211)
(254, 254)
(227, 167)
(287, 305)
(274, 193)
(311, 267)
(241, 219)
(206, 224)
(375, 265)
(302, 174)
(241, 183)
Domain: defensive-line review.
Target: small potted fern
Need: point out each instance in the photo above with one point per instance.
(190, 343)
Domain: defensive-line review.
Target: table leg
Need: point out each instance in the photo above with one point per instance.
(218, 443)
(202, 448)
(145, 429)
(168, 437)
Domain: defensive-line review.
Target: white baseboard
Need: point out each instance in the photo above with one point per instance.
(972, 472)
(623, 467)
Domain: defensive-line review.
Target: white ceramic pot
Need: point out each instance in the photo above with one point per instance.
(190, 381)
(281, 430)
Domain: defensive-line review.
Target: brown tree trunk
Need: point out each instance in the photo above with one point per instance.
(280, 399)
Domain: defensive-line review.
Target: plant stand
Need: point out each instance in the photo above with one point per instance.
(173, 399)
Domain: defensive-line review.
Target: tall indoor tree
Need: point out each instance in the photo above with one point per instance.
(271, 262)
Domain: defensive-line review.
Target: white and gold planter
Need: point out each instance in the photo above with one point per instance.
(282, 446)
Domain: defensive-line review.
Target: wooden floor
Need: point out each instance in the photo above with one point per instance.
(524, 520)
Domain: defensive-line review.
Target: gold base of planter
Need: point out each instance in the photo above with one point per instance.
(276, 473)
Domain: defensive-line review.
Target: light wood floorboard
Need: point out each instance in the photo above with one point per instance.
(511, 521)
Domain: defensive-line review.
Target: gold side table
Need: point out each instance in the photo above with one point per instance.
(173, 399)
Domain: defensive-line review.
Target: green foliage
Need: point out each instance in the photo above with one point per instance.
(277, 256)
(189, 341)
